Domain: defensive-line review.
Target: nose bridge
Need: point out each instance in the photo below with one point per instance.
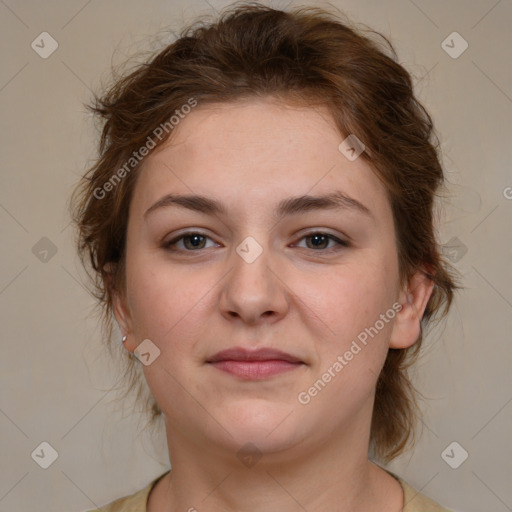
(252, 261)
(252, 288)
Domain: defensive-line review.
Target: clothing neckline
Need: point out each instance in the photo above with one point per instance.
(408, 492)
(413, 499)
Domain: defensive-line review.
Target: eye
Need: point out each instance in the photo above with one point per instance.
(192, 240)
(320, 241)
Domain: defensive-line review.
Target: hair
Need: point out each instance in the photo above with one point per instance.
(307, 56)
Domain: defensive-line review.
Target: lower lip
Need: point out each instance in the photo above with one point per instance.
(254, 370)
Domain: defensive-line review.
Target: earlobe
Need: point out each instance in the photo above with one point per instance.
(414, 300)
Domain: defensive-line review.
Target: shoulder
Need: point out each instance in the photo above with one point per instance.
(135, 502)
(414, 501)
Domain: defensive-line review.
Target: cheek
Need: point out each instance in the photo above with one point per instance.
(351, 297)
(153, 300)
(351, 355)
(169, 305)
(351, 303)
(154, 296)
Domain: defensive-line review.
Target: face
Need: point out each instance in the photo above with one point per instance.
(255, 265)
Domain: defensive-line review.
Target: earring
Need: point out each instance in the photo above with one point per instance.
(123, 339)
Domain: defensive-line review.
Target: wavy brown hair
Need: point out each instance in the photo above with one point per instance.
(307, 56)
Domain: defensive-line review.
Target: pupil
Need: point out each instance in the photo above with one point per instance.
(316, 238)
(195, 240)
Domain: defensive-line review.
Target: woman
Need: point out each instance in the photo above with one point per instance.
(260, 224)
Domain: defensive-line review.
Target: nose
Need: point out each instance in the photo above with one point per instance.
(254, 291)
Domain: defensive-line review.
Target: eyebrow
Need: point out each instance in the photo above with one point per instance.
(290, 206)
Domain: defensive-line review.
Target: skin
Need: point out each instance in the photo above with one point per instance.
(310, 302)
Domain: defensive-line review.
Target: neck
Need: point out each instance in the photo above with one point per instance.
(335, 475)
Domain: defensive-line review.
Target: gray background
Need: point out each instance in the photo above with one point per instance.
(56, 380)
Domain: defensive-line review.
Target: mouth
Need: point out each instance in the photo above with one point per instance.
(254, 364)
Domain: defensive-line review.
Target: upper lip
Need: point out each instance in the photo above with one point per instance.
(261, 354)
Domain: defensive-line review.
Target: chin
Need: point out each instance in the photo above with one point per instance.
(267, 425)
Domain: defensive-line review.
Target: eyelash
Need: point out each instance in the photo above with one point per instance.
(342, 243)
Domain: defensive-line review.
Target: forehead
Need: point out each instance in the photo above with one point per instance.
(256, 149)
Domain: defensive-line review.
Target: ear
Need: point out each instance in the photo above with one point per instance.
(414, 299)
(121, 311)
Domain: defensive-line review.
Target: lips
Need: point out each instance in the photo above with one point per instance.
(254, 364)
(262, 354)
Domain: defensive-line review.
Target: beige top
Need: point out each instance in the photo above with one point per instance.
(413, 500)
